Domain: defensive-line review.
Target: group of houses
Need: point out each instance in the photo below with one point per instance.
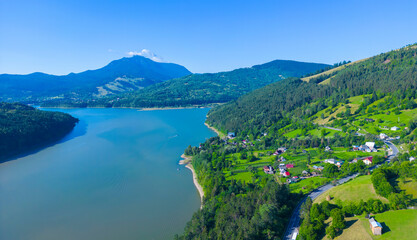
(367, 147)
(366, 160)
(333, 161)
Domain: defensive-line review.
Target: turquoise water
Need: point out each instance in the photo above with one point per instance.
(116, 176)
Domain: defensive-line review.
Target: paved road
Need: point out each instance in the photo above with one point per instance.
(294, 223)
(295, 218)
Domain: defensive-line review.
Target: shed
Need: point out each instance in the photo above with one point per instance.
(375, 226)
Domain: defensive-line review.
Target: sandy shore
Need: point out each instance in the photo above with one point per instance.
(187, 160)
(220, 134)
(197, 185)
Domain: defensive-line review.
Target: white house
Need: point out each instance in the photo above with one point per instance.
(395, 128)
(412, 159)
(371, 145)
(383, 136)
(331, 161)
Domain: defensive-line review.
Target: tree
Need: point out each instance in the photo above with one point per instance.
(330, 171)
(323, 132)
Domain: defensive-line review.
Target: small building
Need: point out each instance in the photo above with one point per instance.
(330, 160)
(287, 174)
(370, 145)
(289, 166)
(327, 149)
(305, 173)
(269, 170)
(375, 226)
(368, 160)
(412, 159)
(395, 128)
(318, 167)
(383, 136)
(369, 120)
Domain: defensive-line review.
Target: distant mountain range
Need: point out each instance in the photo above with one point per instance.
(126, 74)
(201, 89)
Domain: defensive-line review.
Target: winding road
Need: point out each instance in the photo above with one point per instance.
(294, 224)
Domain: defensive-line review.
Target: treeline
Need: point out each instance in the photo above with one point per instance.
(23, 128)
(234, 209)
(327, 68)
(384, 181)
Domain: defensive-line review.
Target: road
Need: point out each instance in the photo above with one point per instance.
(294, 223)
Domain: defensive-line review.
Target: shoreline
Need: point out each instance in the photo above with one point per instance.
(187, 162)
(220, 134)
(196, 184)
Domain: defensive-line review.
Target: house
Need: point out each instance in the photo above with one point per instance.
(327, 149)
(304, 151)
(305, 173)
(370, 145)
(286, 174)
(281, 150)
(383, 136)
(369, 120)
(289, 165)
(375, 226)
(395, 128)
(368, 160)
(269, 170)
(318, 167)
(330, 160)
(355, 148)
(231, 135)
(354, 161)
(411, 159)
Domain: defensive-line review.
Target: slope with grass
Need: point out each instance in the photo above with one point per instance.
(360, 188)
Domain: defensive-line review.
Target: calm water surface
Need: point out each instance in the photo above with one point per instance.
(116, 176)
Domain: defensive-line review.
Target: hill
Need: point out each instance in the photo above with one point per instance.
(394, 72)
(24, 128)
(126, 74)
(209, 88)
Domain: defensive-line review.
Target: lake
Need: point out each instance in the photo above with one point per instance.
(115, 176)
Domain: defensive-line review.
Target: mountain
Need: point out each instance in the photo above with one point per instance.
(126, 74)
(392, 72)
(209, 88)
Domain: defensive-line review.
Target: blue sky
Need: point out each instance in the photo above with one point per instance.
(60, 37)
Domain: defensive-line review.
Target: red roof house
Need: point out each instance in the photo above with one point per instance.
(289, 165)
(287, 174)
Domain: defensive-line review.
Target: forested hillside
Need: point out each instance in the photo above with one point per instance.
(204, 89)
(23, 128)
(294, 136)
(385, 73)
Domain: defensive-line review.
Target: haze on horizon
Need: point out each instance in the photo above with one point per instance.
(59, 37)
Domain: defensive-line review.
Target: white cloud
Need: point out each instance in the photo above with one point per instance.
(146, 53)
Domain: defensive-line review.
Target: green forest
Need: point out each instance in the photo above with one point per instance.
(24, 128)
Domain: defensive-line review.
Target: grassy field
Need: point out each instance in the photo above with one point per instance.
(354, 231)
(410, 187)
(355, 190)
(308, 184)
(397, 225)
